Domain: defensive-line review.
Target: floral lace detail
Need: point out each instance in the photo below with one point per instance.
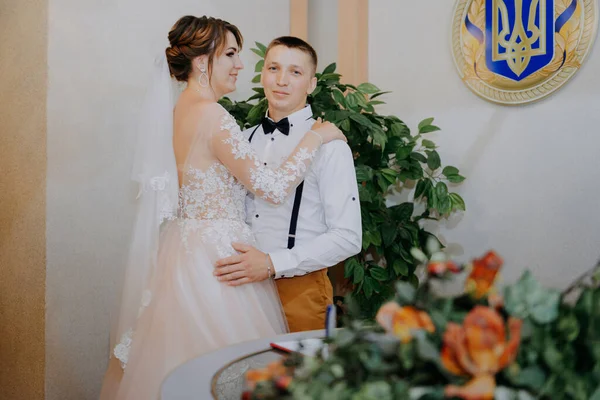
(212, 194)
(122, 349)
(165, 207)
(220, 233)
(273, 183)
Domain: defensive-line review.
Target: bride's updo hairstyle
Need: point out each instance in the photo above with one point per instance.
(192, 37)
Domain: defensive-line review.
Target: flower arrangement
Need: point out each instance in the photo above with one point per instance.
(524, 342)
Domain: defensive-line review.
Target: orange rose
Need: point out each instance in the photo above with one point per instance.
(274, 371)
(479, 349)
(483, 274)
(440, 267)
(400, 321)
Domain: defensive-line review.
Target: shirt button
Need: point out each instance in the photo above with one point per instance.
(354, 199)
(265, 163)
(272, 139)
(256, 215)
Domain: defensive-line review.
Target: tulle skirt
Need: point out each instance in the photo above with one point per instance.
(187, 312)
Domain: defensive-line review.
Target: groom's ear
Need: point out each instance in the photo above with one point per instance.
(312, 86)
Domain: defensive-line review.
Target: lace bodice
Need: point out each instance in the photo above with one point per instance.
(222, 164)
(212, 194)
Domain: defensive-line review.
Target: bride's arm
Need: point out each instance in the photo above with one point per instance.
(272, 185)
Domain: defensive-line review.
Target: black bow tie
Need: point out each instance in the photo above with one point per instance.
(282, 126)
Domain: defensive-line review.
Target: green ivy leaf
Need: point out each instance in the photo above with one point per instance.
(351, 101)
(388, 233)
(256, 79)
(349, 266)
(429, 128)
(424, 123)
(368, 88)
(418, 156)
(379, 94)
(258, 53)
(428, 144)
(330, 68)
(379, 138)
(433, 159)
(338, 96)
(441, 190)
(402, 212)
(345, 125)
(390, 175)
(420, 188)
(259, 66)
(399, 129)
(449, 170)
(364, 173)
(261, 47)
(457, 201)
(403, 152)
(379, 273)
(400, 267)
(330, 77)
(359, 273)
(455, 178)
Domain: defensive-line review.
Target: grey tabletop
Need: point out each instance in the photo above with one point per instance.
(194, 379)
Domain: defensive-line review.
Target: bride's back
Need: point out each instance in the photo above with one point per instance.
(192, 123)
(207, 188)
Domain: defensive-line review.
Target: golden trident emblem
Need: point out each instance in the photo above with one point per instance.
(519, 46)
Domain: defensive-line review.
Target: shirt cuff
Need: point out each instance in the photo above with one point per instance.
(283, 263)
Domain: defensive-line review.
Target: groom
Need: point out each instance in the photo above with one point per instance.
(317, 227)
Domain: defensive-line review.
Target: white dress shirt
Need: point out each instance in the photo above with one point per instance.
(329, 222)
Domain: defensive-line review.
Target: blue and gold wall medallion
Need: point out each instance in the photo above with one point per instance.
(519, 51)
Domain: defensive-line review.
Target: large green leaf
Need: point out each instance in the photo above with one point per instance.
(359, 274)
(433, 159)
(528, 298)
(330, 68)
(368, 88)
(259, 66)
(378, 273)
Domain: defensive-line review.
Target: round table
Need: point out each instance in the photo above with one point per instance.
(220, 375)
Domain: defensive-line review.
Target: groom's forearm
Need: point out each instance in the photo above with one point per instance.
(323, 251)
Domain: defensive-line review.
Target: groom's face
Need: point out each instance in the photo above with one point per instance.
(288, 78)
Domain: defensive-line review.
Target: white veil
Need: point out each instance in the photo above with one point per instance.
(155, 170)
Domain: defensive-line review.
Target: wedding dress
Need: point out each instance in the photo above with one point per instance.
(184, 310)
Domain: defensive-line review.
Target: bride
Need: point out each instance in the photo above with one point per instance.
(172, 307)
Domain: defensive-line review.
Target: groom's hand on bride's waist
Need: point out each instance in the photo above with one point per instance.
(251, 265)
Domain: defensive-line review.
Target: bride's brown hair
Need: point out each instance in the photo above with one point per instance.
(192, 37)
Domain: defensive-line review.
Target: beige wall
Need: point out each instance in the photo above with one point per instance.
(22, 198)
(532, 172)
(100, 58)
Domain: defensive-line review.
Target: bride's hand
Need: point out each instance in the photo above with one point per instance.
(328, 131)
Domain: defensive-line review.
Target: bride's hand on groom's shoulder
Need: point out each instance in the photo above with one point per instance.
(327, 131)
(251, 265)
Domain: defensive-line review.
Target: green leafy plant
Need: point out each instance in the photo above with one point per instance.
(388, 158)
(531, 343)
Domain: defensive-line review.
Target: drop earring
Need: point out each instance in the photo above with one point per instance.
(203, 78)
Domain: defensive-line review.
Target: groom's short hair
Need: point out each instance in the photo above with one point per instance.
(293, 42)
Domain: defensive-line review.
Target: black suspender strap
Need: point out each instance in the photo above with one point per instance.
(252, 134)
(295, 211)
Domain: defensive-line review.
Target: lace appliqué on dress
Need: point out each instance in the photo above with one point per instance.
(122, 349)
(272, 183)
